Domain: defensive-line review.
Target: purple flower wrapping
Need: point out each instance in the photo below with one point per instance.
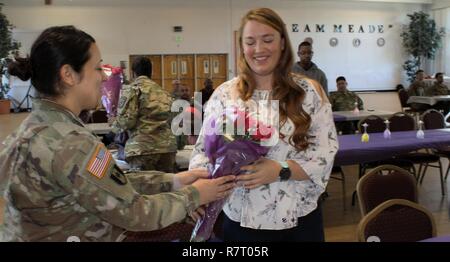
(225, 159)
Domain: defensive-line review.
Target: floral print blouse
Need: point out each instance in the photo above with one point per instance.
(278, 205)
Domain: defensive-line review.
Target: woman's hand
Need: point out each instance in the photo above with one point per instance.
(197, 214)
(188, 177)
(263, 171)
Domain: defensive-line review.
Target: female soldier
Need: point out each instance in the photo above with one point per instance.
(59, 181)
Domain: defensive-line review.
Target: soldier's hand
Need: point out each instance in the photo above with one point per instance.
(214, 189)
(188, 177)
(197, 214)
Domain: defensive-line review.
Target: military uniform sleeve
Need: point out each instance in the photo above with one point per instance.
(412, 90)
(151, 182)
(360, 103)
(127, 113)
(332, 101)
(85, 169)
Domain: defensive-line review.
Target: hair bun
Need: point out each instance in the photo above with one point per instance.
(21, 68)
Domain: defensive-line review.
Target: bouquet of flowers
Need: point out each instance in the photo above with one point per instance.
(111, 89)
(227, 153)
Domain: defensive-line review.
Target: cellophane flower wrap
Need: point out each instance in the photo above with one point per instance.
(227, 153)
(111, 89)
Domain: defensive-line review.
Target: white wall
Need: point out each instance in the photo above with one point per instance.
(145, 27)
(440, 11)
(440, 4)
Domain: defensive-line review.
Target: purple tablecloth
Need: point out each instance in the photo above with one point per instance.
(437, 239)
(353, 151)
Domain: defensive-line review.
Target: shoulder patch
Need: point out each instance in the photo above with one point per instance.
(99, 162)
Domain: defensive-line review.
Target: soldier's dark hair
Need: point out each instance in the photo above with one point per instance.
(142, 66)
(340, 78)
(304, 43)
(438, 75)
(419, 71)
(54, 48)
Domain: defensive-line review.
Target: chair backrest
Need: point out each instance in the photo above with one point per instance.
(401, 122)
(403, 96)
(375, 124)
(433, 119)
(99, 116)
(397, 220)
(384, 183)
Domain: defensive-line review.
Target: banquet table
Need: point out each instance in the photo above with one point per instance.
(353, 151)
(429, 100)
(340, 116)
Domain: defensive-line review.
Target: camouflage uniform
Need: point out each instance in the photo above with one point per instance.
(418, 88)
(437, 90)
(144, 110)
(345, 101)
(59, 181)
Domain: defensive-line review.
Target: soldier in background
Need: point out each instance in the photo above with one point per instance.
(345, 100)
(418, 88)
(59, 181)
(144, 111)
(438, 88)
(180, 91)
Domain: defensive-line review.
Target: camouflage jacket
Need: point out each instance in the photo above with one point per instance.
(345, 101)
(437, 90)
(144, 110)
(59, 181)
(418, 88)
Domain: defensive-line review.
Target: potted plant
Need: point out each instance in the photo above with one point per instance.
(8, 47)
(421, 40)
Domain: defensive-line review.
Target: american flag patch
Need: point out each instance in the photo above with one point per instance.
(99, 162)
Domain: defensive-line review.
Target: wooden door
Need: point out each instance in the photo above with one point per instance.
(219, 69)
(170, 67)
(156, 68)
(186, 72)
(203, 67)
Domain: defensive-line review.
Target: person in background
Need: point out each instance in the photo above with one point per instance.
(144, 111)
(308, 68)
(60, 183)
(345, 100)
(207, 90)
(180, 91)
(439, 89)
(418, 88)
